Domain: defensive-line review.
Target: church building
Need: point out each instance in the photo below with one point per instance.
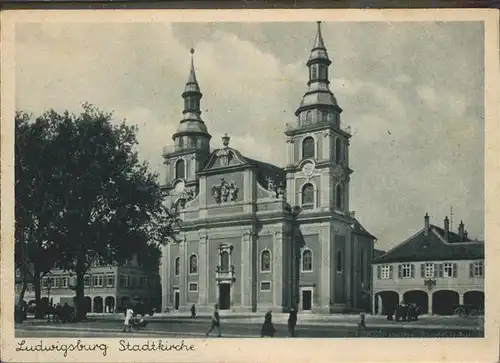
(258, 237)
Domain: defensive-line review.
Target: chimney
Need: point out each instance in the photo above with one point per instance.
(446, 228)
(461, 230)
(426, 230)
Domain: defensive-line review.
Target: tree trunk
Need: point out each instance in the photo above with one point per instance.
(81, 306)
(20, 307)
(20, 298)
(39, 309)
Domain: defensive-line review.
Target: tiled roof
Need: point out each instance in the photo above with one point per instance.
(422, 247)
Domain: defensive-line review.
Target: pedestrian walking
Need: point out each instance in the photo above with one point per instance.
(215, 321)
(361, 322)
(292, 321)
(129, 313)
(193, 311)
(268, 329)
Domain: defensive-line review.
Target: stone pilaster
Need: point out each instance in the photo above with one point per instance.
(278, 269)
(203, 262)
(166, 288)
(326, 145)
(429, 303)
(192, 167)
(290, 152)
(203, 197)
(290, 190)
(182, 274)
(247, 278)
(249, 185)
(326, 189)
(326, 268)
(350, 268)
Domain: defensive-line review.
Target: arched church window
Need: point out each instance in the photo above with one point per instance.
(339, 261)
(307, 196)
(307, 260)
(193, 264)
(224, 261)
(338, 150)
(339, 197)
(308, 148)
(265, 261)
(177, 266)
(180, 169)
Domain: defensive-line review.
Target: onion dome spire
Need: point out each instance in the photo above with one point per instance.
(319, 51)
(318, 104)
(191, 124)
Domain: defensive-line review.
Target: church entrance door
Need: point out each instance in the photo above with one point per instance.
(306, 299)
(224, 296)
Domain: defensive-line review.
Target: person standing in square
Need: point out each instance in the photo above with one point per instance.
(129, 313)
(215, 321)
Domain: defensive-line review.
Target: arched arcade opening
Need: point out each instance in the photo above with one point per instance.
(419, 298)
(98, 306)
(386, 302)
(444, 302)
(109, 304)
(475, 299)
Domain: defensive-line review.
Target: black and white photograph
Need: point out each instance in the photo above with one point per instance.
(190, 180)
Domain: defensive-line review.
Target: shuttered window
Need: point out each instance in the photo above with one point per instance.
(406, 271)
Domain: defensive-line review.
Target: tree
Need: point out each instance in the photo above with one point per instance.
(107, 206)
(34, 212)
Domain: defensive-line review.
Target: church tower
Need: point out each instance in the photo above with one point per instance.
(317, 147)
(191, 148)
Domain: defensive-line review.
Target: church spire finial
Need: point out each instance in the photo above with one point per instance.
(192, 75)
(318, 43)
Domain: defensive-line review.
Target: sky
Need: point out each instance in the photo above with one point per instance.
(412, 93)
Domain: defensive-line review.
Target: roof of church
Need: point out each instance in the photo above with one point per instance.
(357, 228)
(433, 247)
(268, 170)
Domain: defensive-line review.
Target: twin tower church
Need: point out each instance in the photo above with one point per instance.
(258, 237)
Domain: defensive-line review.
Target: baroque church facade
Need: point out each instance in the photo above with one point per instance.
(258, 237)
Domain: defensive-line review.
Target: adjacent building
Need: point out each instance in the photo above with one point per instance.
(435, 268)
(256, 236)
(107, 288)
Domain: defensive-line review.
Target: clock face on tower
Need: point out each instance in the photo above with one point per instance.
(308, 168)
(179, 187)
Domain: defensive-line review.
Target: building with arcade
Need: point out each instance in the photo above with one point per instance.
(437, 269)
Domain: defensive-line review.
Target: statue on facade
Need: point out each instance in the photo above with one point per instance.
(225, 191)
(216, 194)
